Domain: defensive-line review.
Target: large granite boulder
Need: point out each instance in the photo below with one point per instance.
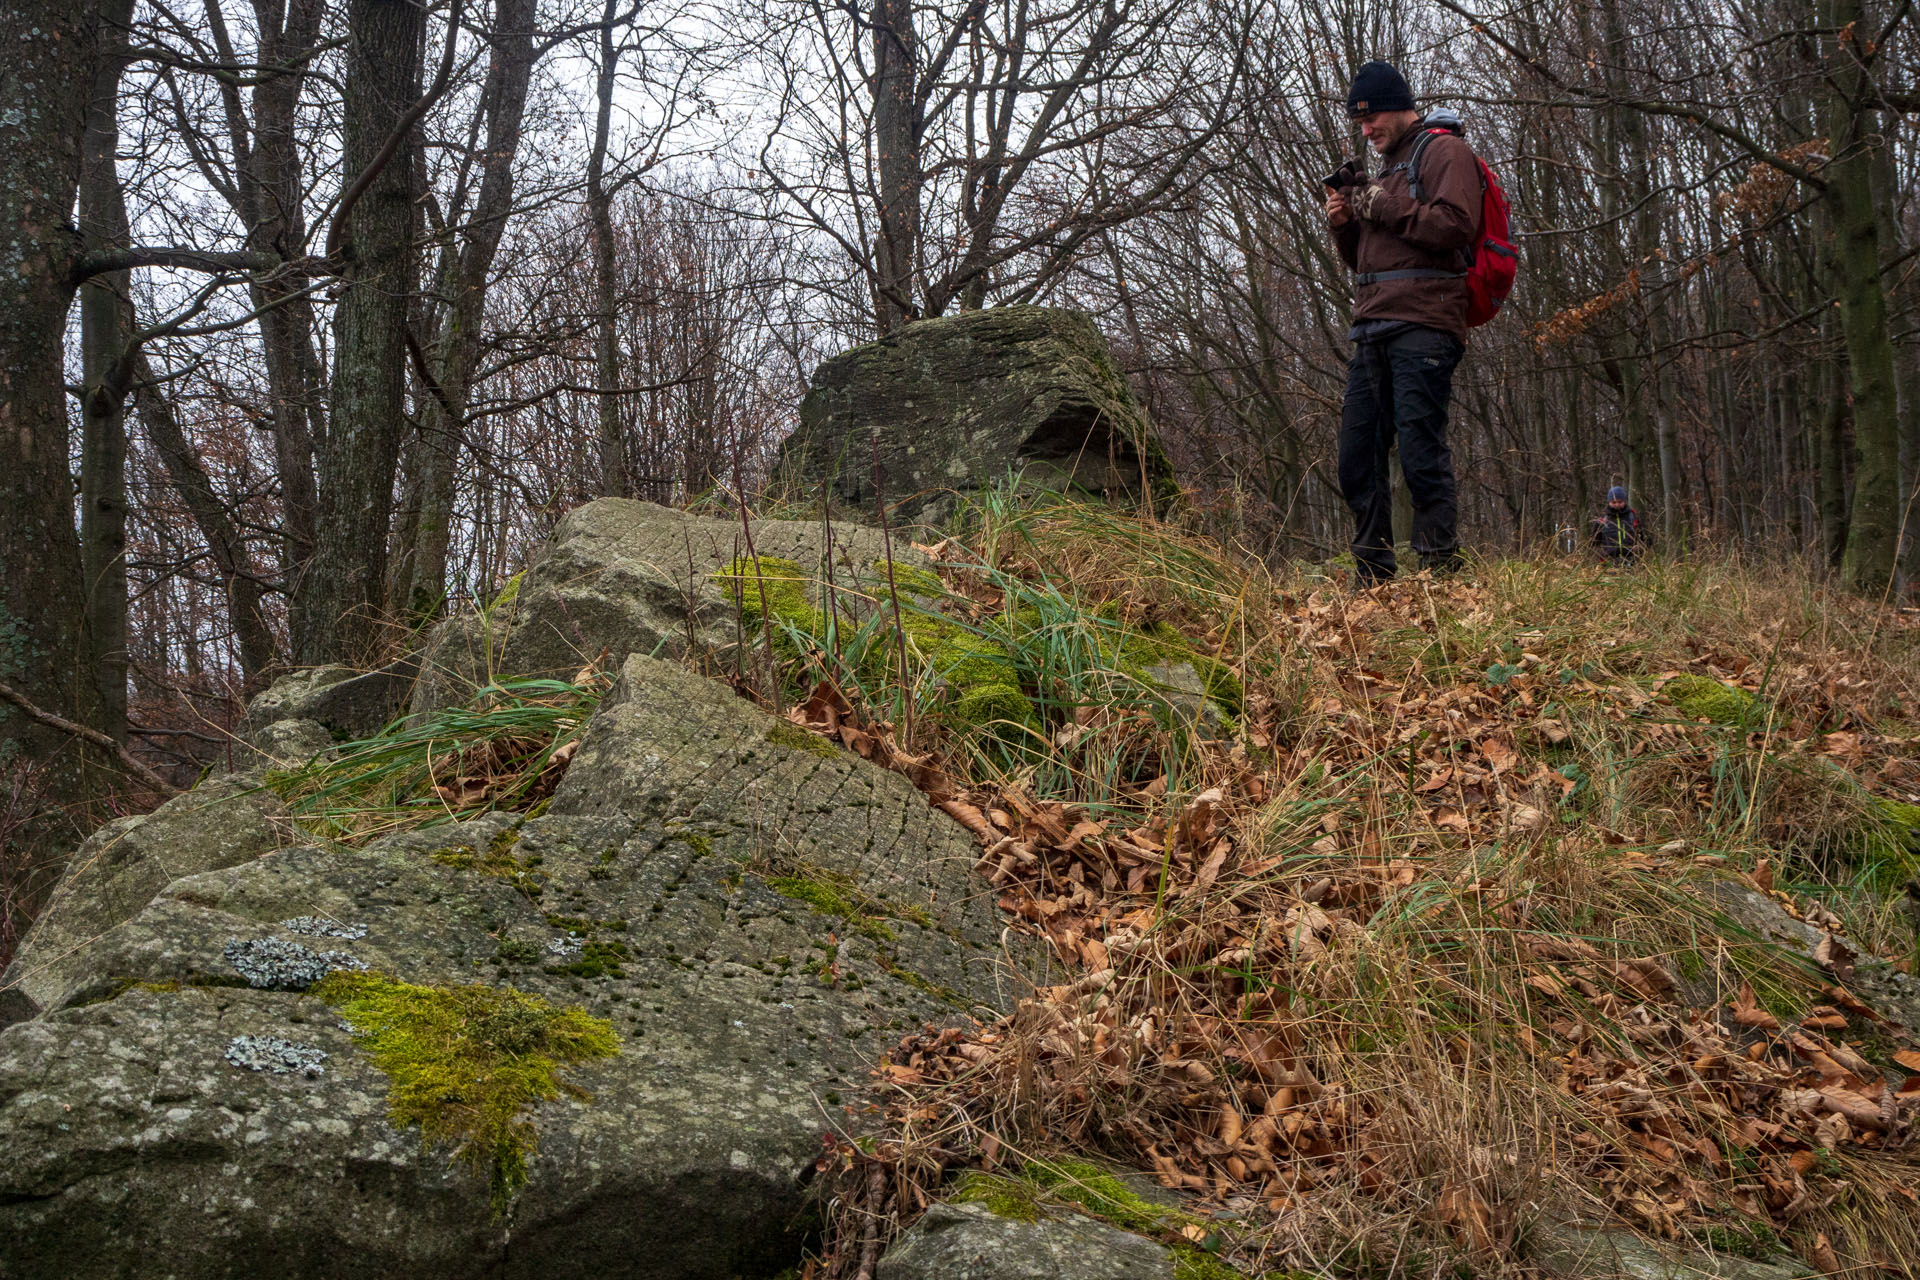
(114, 875)
(970, 1242)
(621, 577)
(346, 702)
(959, 402)
(753, 913)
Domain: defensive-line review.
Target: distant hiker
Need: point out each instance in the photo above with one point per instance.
(1617, 534)
(1424, 272)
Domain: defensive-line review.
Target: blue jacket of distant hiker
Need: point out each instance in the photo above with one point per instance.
(1618, 536)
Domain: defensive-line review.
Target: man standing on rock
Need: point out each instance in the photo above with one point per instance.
(1408, 247)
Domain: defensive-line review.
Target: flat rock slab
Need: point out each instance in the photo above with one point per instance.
(621, 577)
(1580, 1252)
(968, 1242)
(772, 914)
(955, 404)
(118, 870)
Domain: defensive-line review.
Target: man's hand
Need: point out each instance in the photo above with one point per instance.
(1364, 198)
(1338, 214)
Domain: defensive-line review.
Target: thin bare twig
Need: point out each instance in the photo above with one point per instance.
(97, 738)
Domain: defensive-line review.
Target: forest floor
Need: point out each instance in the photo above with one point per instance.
(1419, 937)
(1388, 929)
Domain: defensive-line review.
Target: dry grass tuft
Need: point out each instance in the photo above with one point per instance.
(1418, 952)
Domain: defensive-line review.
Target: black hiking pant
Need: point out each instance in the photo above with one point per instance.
(1398, 389)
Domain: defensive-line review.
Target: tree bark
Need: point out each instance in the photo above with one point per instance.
(1874, 517)
(106, 332)
(897, 151)
(47, 64)
(463, 283)
(273, 185)
(367, 407)
(615, 480)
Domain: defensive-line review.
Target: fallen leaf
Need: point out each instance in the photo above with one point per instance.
(1748, 1013)
(1836, 955)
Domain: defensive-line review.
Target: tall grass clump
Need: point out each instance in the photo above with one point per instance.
(503, 749)
(1076, 650)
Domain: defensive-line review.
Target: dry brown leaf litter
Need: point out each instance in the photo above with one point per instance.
(1268, 984)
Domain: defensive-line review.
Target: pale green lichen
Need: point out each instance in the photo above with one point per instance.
(466, 1063)
(1699, 698)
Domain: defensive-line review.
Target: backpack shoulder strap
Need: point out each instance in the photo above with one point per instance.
(1420, 145)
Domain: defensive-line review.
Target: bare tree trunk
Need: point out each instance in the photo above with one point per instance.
(224, 540)
(106, 331)
(1874, 518)
(897, 148)
(270, 187)
(368, 401)
(456, 349)
(46, 78)
(614, 478)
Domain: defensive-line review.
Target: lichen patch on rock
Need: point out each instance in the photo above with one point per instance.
(276, 1056)
(275, 964)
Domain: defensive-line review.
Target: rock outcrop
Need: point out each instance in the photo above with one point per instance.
(345, 702)
(119, 869)
(751, 913)
(621, 577)
(958, 403)
(969, 1242)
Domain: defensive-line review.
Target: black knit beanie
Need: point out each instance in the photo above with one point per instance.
(1378, 87)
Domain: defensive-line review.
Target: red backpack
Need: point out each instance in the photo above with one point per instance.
(1491, 264)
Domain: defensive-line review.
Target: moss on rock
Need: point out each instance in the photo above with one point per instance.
(467, 1062)
(764, 587)
(833, 894)
(1012, 1198)
(782, 733)
(499, 861)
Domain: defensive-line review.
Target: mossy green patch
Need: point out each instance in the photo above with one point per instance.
(499, 861)
(770, 591)
(1012, 1198)
(1102, 1193)
(1193, 1263)
(517, 951)
(1747, 1239)
(1097, 1191)
(465, 1063)
(1699, 698)
(912, 578)
(1890, 840)
(836, 895)
(785, 734)
(597, 959)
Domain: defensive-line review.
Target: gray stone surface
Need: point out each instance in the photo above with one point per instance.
(1581, 1252)
(116, 873)
(131, 1143)
(967, 1242)
(958, 402)
(629, 577)
(347, 703)
(281, 744)
(1892, 994)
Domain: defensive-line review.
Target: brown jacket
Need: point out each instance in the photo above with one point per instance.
(1398, 232)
